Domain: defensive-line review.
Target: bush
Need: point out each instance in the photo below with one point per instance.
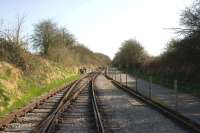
(131, 55)
(12, 53)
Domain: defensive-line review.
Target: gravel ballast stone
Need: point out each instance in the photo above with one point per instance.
(127, 115)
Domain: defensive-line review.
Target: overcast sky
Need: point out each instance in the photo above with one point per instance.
(102, 25)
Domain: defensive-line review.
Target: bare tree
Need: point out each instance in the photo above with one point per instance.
(12, 33)
(44, 36)
(5, 31)
(190, 19)
(18, 29)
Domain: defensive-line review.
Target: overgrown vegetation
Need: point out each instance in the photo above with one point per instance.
(56, 59)
(48, 41)
(12, 53)
(31, 92)
(58, 44)
(19, 87)
(179, 61)
(131, 55)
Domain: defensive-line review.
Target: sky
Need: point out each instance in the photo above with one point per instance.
(102, 25)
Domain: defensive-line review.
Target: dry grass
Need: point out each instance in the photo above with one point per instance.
(17, 86)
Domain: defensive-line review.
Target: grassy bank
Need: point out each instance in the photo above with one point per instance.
(32, 93)
(18, 87)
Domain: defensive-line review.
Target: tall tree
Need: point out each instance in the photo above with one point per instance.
(44, 36)
(131, 54)
(190, 19)
(13, 33)
(64, 38)
(18, 29)
(68, 38)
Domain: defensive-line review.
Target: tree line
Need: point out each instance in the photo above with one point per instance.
(48, 41)
(180, 59)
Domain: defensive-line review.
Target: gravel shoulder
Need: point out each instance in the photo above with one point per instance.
(124, 114)
(188, 105)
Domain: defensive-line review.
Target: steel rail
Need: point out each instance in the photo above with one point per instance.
(97, 116)
(13, 116)
(48, 124)
(174, 115)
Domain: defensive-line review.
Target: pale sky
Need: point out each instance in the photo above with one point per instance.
(102, 25)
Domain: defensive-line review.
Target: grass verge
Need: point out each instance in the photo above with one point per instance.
(35, 92)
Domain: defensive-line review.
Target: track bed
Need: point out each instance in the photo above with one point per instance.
(123, 113)
(78, 118)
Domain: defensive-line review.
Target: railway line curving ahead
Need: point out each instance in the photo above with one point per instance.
(46, 115)
(94, 104)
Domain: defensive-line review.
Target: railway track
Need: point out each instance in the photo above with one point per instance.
(30, 120)
(50, 115)
(179, 119)
(81, 116)
(82, 107)
(29, 116)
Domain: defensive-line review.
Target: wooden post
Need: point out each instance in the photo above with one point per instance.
(120, 78)
(136, 84)
(115, 74)
(126, 80)
(176, 94)
(111, 74)
(150, 86)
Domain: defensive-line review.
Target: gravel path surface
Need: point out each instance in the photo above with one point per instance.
(123, 114)
(188, 105)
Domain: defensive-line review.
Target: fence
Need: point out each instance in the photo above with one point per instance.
(163, 91)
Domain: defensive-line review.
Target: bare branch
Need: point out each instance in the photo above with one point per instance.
(18, 30)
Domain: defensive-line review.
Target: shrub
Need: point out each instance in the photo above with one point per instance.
(12, 53)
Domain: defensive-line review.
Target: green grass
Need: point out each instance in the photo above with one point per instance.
(33, 92)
